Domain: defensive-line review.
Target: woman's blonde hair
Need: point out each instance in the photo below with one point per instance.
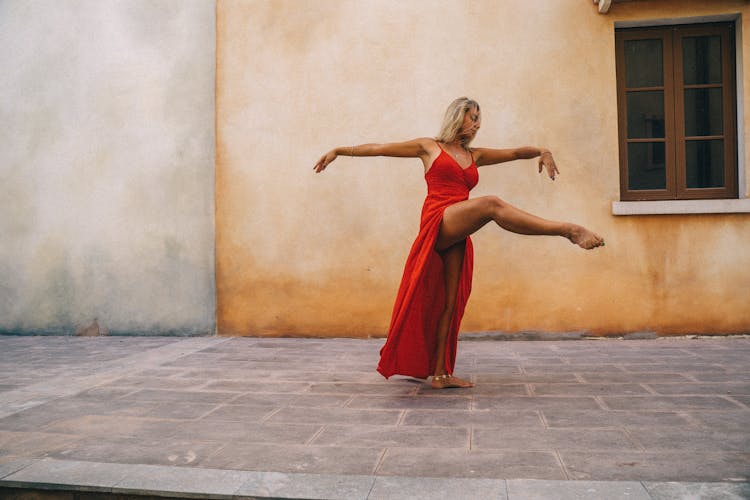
(454, 119)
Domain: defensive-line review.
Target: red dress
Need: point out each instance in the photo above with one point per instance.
(410, 347)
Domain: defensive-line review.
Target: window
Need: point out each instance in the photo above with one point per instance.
(676, 107)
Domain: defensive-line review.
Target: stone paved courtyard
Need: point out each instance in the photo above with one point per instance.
(589, 410)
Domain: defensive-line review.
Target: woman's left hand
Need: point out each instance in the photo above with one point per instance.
(547, 162)
(325, 160)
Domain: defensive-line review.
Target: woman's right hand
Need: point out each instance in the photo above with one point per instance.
(324, 161)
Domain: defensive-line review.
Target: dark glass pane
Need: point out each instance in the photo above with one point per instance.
(704, 162)
(701, 59)
(703, 114)
(645, 114)
(646, 166)
(643, 63)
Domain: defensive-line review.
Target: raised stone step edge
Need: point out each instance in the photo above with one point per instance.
(190, 482)
(583, 335)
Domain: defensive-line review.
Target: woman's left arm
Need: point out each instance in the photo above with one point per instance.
(487, 156)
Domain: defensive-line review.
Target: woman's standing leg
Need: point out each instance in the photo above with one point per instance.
(453, 259)
(465, 218)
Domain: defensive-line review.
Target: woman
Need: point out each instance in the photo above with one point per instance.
(423, 335)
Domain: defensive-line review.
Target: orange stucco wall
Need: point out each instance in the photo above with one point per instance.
(300, 254)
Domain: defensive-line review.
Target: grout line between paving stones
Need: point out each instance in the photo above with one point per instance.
(562, 464)
(541, 416)
(274, 412)
(315, 435)
(738, 403)
(20, 464)
(691, 419)
(235, 398)
(380, 461)
(601, 403)
(401, 418)
(210, 455)
(634, 441)
(643, 486)
(372, 486)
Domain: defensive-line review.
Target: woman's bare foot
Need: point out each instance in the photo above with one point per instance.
(449, 381)
(583, 237)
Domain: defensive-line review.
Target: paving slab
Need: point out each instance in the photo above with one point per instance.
(307, 486)
(556, 418)
(335, 415)
(588, 389)
(304, 418)
(237, 413)
(735, 421)
(535, 403)
(638, 378)
(107, 425)
(13, 465)
(295, 458)
(67, 475)
(503, 419)
(431, 488)
(375, 436)
(194, 482)
(710, 440)
(738, 376)
(34, 444)
(657, 465)
(208, 397)
(397, 387)
(527, 489)
(248, 432)
(703, 491)
(482, 377)
(742, 388)
(482, 463)
(409, 403)
(482, 389)
(138, 451)
(662, 403)
(555, 439)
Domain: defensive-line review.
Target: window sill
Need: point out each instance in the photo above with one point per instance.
(681, 207)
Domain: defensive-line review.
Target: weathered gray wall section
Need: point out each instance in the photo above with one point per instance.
(107, 165)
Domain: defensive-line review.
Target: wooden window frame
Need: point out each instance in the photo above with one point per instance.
(674, 120)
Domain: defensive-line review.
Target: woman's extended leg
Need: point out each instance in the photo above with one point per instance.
(453, 259)
(466, 217)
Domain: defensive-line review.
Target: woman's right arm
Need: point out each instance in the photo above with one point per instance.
(416, 148)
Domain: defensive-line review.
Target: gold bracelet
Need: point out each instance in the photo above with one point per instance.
(351, 153)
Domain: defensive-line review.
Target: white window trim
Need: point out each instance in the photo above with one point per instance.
(725, 206)
(742, 203)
